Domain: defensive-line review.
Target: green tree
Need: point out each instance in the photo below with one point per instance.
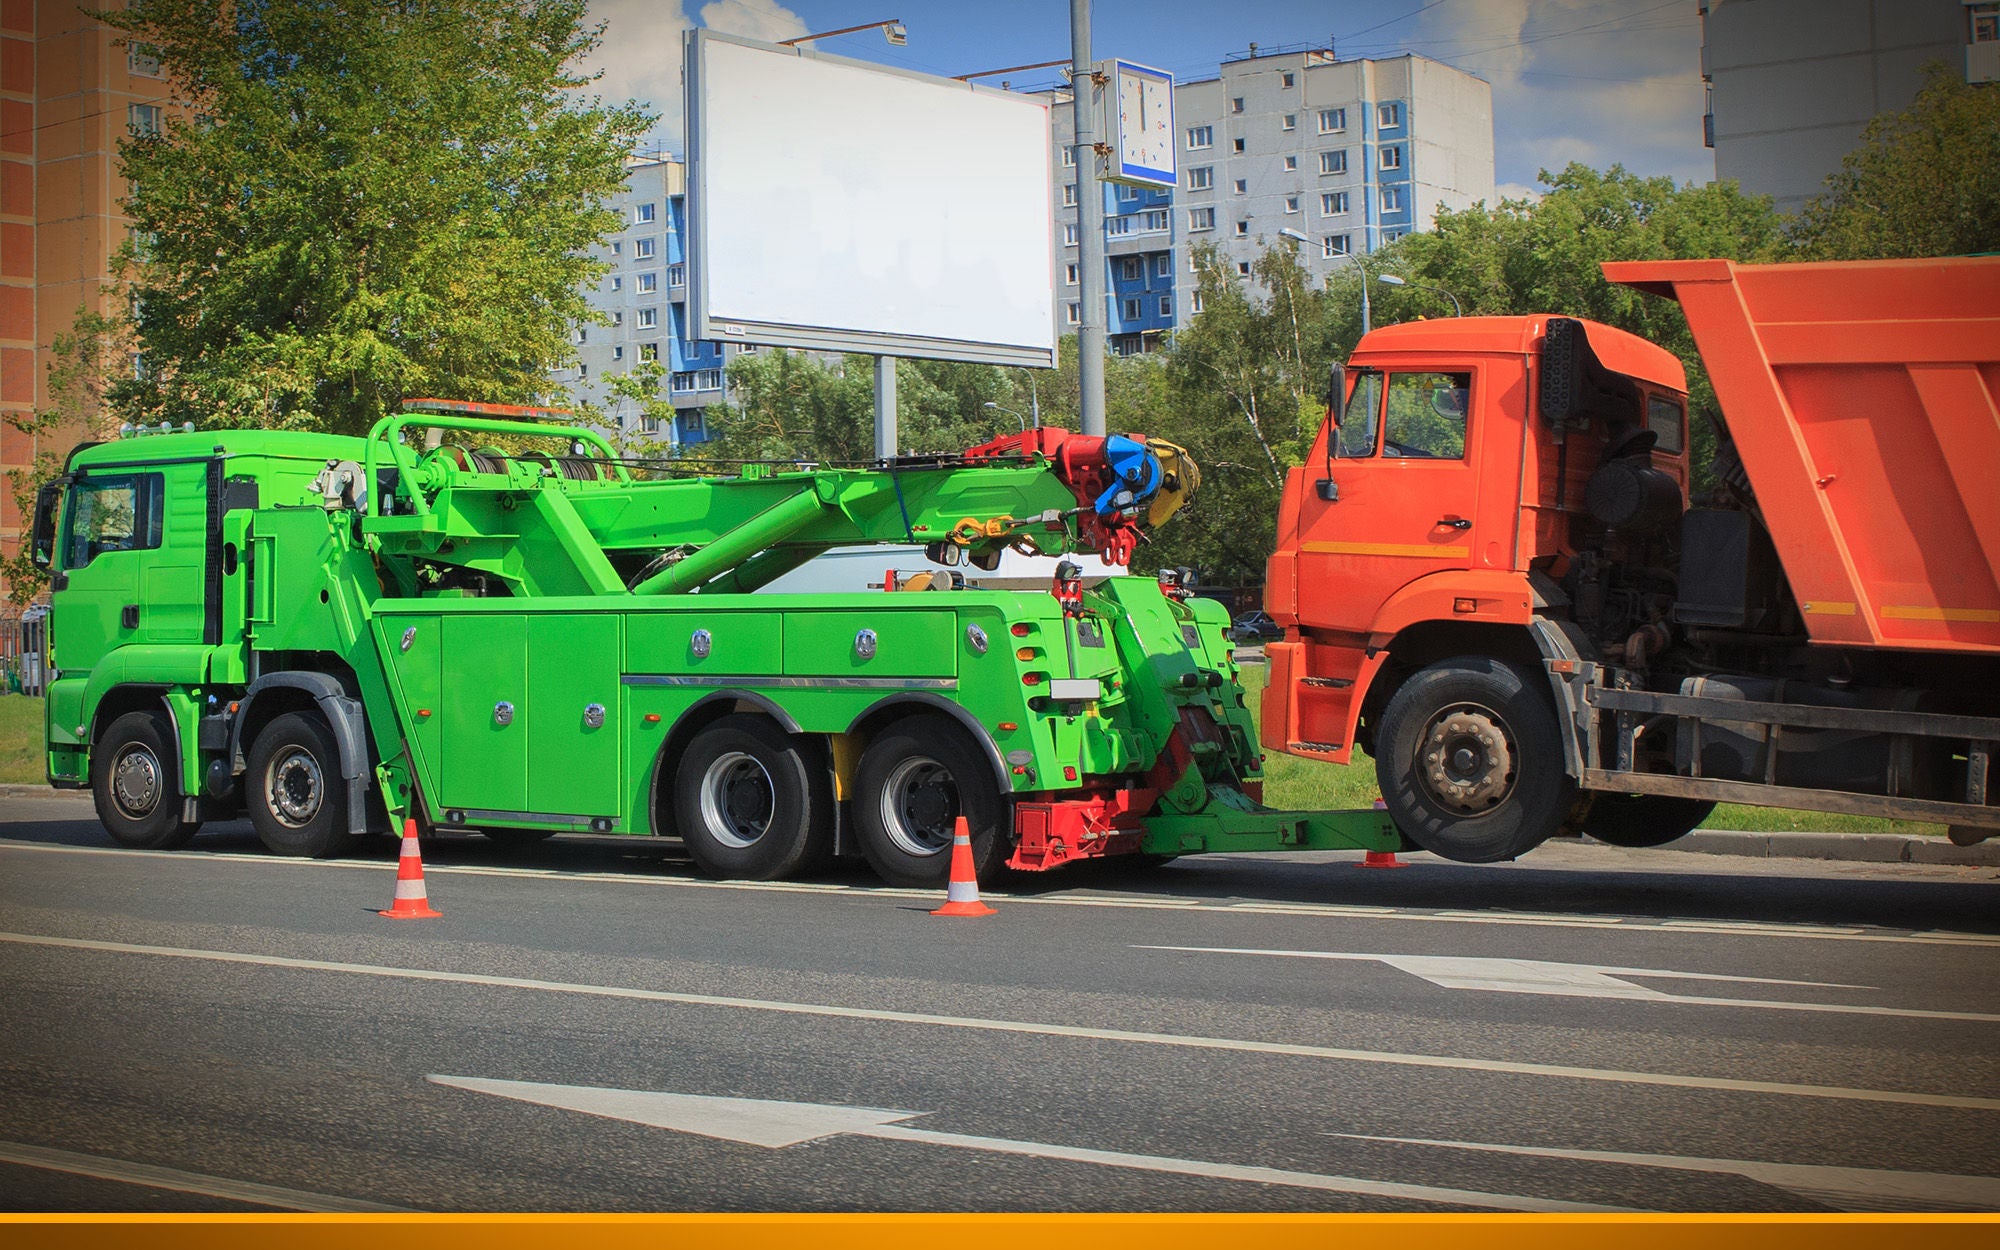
(363, 201)
(1924, 182)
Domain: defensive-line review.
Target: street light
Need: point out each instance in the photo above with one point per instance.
(1034, 404)
(892, 29)
(1367, 320)
(1390, 279)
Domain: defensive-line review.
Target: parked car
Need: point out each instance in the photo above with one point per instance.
(1256, 627)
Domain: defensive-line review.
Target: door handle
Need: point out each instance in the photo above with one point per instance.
(1454, 523)
(128, 616)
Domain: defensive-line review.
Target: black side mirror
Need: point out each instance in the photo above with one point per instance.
(42, 547)
(1328, 489)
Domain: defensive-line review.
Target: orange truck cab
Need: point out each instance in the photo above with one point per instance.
(1492, 578)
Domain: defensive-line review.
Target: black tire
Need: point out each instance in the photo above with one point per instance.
(1639, 820)
(753, 802)
(294, 791)
(1470, 761)
(913, 782)
(133, 780)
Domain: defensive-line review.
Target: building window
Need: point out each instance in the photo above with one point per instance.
(642, 214)
(1166, 305)
(1073, 313)
(1389, 116)
(1195, 308)
(1163, 265)
(1069, 234)
(1069, 195)
(1291, 121)
(1285, 80)
(647, 283)
(617, 283)
(1291, 164)
(143, 60)
(683, 382)
(1985, 23)
(1153, 219)
(618, 319)
(1242, 229)
(1333, 203)
(642, 249)
(1201, 219)
(1069, 275)
(648, 318)
(1333, 245)
(708, 380)
(582, 371)
(1118, 225)
(1392, 158)
(1069, 158)
(1242, 186)
(1132, 309)
(1132, 268)
(1201, 179)
(1200, 137)
(1128, 193)
(649, 351)
(677, 275)
(144, 119)
(616, 247)
(618, 352)
(1236, 104)
(1334, 162)
(1236, 145)
(1392, 199)
(1291, 203)
(1332, 121)
(1242, 268)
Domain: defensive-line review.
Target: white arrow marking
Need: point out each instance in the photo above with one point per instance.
(759, 1122)
(1845, 1189)
(1535, 976)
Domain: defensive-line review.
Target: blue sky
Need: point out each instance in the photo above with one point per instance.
(1600, 81)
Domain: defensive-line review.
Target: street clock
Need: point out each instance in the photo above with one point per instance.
(1137, 108)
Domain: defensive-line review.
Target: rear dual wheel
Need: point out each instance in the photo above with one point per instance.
(293, 788)
(915, 780)
(750, 801)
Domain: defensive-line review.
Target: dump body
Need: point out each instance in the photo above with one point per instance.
(1862, 399)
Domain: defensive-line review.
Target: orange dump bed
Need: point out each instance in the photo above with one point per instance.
(1864, 398)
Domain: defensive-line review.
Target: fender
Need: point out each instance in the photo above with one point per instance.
(1462, 596)
(343, 715)
(936, 703)
(676, 737)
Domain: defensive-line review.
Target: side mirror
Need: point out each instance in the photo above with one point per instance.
(1328, 489)
(42, 547)
(1336, 390)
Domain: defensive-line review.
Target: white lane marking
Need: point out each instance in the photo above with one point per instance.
(1218, 906)
(1183, 1040)
(181, 1182)
(1535, 976)
(775, 1125)
(1843, 1188)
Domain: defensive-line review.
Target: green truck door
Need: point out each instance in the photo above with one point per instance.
(483, 702)
(574, 717)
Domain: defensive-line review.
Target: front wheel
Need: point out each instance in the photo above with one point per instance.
(1471, 763)
(751, 802)
(296, 795)
(1640, 820)
(132, 781)
(914, 781)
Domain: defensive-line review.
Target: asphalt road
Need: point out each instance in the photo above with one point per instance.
(592, 1026)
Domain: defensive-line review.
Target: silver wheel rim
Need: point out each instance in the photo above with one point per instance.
(920, 807)
(295, 787)
(738, 799)
(135, 782)
(1468, 760)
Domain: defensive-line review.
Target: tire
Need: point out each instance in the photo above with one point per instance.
(133, 781)
(753, 802)
(1639, 820)
(1470, 761)
(913, 782)
(294, 791)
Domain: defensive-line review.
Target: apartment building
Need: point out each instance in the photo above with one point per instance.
(1350, 155)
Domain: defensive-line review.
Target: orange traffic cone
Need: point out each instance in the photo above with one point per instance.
(961, 894)
(411, 902)
(1381, 859)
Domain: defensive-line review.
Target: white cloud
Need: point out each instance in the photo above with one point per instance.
(640, 57)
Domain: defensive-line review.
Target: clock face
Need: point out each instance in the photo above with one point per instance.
(1146, 123)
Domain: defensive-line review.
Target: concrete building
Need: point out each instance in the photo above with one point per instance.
(1349, 154)
(1793, 83)
(645, 296)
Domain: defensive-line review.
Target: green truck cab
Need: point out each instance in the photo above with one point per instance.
(331, 634)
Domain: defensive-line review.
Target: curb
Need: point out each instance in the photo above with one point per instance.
(1866, 848)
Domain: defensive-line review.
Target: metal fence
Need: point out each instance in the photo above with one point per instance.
(23, 646)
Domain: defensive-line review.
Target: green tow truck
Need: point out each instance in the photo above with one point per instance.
(329, 634)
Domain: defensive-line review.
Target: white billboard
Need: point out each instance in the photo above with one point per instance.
(840, 206)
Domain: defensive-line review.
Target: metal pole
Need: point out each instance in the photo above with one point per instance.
(1089, 225)
(885, 407)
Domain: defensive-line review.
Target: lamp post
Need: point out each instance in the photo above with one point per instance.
(1390, 279)
(1367, 320)
(892, 29)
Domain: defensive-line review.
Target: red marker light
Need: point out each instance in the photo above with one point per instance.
(652, 718)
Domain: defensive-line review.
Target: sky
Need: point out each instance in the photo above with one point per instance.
(1599, 81)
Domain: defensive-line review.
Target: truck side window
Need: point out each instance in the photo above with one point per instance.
(1358, 421)
(112, 514)
(1663, 418)
(1427, 415)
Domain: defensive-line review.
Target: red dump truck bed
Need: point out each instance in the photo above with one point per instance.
(1864, 399)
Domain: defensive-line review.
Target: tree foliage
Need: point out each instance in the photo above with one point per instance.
(362, 201)
(1924, 181)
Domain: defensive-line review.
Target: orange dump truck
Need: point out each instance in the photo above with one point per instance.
(1494, 580)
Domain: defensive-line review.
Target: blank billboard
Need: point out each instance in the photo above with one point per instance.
(836, 205)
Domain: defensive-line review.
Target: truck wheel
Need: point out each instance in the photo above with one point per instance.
(132, 779)
(1643, 819)
(1470, 764)
(750, 803)
(294, 790)
(913, 783)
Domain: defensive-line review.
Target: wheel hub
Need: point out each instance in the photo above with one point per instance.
(1468, 759)
(135, 782)
(297, 788)
(920, 807)
(737, 799)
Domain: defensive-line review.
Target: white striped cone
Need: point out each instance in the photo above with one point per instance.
(961, 892)
(411, 901)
